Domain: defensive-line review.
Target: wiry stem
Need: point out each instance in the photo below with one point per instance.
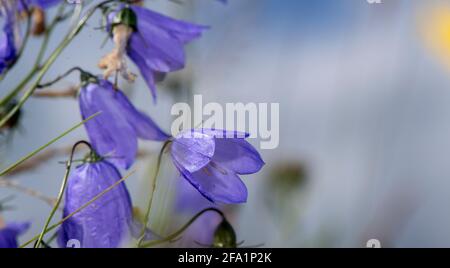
(149, 205)
(176, 234)
(61, 192)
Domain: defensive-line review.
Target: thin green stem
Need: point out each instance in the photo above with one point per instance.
(61, 192)
(60, 77)
(150, 202)
(46, 66)
(58, 18)
(25, 158)
(11, 95)
(176, 234)
(80, 208)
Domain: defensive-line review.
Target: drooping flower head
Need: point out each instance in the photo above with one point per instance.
(115, 131)
(154, 42)
(10, 232)
(212, 160)
(106, 222)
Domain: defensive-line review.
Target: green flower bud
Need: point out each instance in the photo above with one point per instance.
(126, 17)
(224, 236)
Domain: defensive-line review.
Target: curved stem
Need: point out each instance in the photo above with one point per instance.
(57, 79)
(61, 192)
(149, 205)
(51, 60)
(174, 235)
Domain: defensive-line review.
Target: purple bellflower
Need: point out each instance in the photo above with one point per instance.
(115, 131)
(106, 222)
(44, 4)
(154, 42)
(9, 234)
(9, 38)
(211, 161)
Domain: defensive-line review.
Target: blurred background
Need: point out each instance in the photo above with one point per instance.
(364, 94)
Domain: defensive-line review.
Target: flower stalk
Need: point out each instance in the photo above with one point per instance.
(61, 192)
(150, 202)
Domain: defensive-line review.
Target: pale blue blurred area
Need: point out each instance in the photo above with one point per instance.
(362, 102)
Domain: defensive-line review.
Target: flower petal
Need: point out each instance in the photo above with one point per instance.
(105, 222)
(110, 133)
(143, 125)
(238, 155)
(160, 51)
(9, 234)
(192, 150)
(217, 184)
(181, 30)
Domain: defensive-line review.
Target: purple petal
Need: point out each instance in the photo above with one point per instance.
(143, 125)
(222, 134)
(192, 150)
(110, 133)
(103, 224)
(44, 3)
(217, 184)
(238, 155)
(159, 50)
(181, 30)
(8, 46)
(145, 71)
(9, 234)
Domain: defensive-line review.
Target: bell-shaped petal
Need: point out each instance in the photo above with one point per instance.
(192, 150)
(110, 133)
(144, 126)
(216, 163)
(114, 132)
(9, 234)
(238, 155)
(106, 222)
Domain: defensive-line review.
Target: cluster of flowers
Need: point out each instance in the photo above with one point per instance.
(210, 160)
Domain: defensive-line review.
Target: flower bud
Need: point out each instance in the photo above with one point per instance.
(224, 236)
(38, 16)
(126, 17)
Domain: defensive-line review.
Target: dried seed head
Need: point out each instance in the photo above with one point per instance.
(38, 16)
(115, 61)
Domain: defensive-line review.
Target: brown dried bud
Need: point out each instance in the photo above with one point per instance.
(38, 16)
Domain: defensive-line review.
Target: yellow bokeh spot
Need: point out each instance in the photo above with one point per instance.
(435, 28)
